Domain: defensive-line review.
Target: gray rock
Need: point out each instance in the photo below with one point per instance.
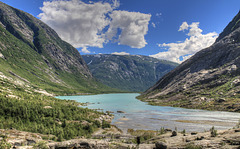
(168, 130)
(194, 133)
(221, 100)
(120, 112)
(237, 130)
(161, 145)
(174, 133)
(207, 69)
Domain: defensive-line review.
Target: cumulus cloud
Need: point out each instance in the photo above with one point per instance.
(132, 25)
(86, 24)
(76, 22)
(180, 51)
(184, 26)
(116, 3)
(121, 53)
(85, 50)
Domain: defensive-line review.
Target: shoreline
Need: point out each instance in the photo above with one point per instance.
(122, 122)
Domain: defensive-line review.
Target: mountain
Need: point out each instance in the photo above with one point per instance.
(35, 64)
(133, 73)
(208, 80)
(33, 53)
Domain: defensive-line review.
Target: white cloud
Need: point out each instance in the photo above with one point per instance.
(184, 26)
(85, 24)
(121, 53)
(76, 22)
(116, 3)
(196, 42)
(85, 50)
(133, 27)
(153, 25)
(194, 29)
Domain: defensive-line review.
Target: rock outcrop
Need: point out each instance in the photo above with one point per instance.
(34, 51)
(211, 73)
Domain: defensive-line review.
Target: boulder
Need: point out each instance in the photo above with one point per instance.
(174, 133)
(194, 133)
(161, 145)
(168, 130)
(120, 112)
(221, 100)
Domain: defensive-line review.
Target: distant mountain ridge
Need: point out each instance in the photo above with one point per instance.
(34, 52)
(133, 73)
(208, 80)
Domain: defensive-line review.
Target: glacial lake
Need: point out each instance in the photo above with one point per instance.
(140, 115)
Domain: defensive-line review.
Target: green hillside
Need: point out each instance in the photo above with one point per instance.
(35, 65)
(32, 52)
(133, 73)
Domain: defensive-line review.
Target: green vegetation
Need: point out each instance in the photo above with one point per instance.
(208, 96)
(41, 145)
(34, 112)
(162, 130)
(184, 132)
(35, 62)
(133, 73)
(192, 146)
(45, 61)
(4, 144)
(213, 77)
(213, 132)
(142, 135)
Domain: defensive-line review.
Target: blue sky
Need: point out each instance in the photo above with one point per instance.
(165, 29)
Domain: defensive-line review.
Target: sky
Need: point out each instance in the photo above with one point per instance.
(166, 29)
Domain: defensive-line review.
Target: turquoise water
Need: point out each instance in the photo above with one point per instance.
(140, 115)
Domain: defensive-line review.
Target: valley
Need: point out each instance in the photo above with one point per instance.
(134, 73)
(208, 80)
(51, 97)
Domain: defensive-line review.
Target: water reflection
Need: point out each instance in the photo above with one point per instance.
(139, 115)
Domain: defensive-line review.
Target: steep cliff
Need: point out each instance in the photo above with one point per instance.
(209, 80)
(32, 51)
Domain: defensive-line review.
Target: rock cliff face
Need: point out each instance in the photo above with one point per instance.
(34, 51)
(127, 72)
(208, 76)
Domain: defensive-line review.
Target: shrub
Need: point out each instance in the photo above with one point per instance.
(193, 146)
(105, 124)
(184, 132)
(41, 145)
(162, 131)
(4, 144)
(213, 132)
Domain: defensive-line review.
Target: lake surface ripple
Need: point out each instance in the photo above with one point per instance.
(140, 115)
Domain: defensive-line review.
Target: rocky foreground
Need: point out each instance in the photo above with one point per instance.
(112, 138)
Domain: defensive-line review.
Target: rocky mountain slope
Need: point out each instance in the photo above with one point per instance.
(127, 72)
(32, 52)
(36, 64)
(208, 80)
